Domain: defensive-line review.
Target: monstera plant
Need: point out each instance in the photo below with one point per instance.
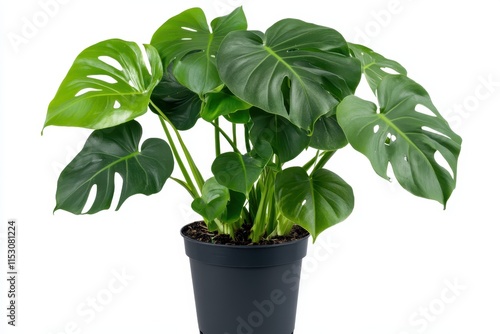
(271, 96)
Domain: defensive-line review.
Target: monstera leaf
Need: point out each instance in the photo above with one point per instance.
(111, 151)
(407, 132)
(296, 70)
(222, 104)
(238, 172)
(213, 200)
(186, 39)
(314, 202)
(110, 83)
(375, 66)
(328, 134)
(286, 139)
(180, 105)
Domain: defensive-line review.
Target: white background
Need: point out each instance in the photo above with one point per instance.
(378, 272)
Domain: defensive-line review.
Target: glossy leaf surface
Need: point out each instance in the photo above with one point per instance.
(315, 202)
(181, 106)
(108, 152)
(213, 200)
(375, 66)
(236, 171)
(221, 104)
(286, 139)
(409, 133)
(296, 70)
(110, 83)
(188, 42)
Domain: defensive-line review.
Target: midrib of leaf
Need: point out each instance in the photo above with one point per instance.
(209, 45)
(282, 61)
(367, 66)
(402, 134)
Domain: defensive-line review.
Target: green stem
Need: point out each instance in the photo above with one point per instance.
(235, 139)
(265, 218)
(194, 169)
(191, 187)
(311, 162)
(247, 139)
(225, 135)
(324, 159)
(217, 137)
(185, 186)
(192, 165)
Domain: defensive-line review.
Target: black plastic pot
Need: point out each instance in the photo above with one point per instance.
(245, 289)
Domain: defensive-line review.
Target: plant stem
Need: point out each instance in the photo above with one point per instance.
(194, 169)
(225, 135)
(196, 173)
(185, 186)
(265, 218)
(311, 162)
(324, 159)
(235, 139)
(247, 139)
(217, 137)
(191, 187)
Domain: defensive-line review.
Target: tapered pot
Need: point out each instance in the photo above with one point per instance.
(245, 289)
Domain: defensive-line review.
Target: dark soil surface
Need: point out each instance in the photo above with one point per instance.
(198, 231)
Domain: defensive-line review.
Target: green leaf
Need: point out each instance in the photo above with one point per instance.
(297, 70)
(328, 135)
(375, 66)
(187, 40)
(111, 151)
(286, 139)
(239, 117)
(314, 202)
(213, 200)
(409, 133)
(110, 83)
(221, 104)
(232, 213)
(180, 105)
(237, 172)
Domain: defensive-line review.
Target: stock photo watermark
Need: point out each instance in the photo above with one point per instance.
(380, 20)
(31, 25)
(487, 86)
(429, 313)
(323, 250)
(223, 7)
(88, 310)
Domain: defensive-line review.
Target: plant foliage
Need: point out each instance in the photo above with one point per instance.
(271, 96)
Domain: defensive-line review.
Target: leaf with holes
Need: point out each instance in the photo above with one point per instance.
(296, 70)
(110, 83)
(187, 40)
(421, 147)
(180, 105)
(111, 151)
(375, 66)
(315, 202)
